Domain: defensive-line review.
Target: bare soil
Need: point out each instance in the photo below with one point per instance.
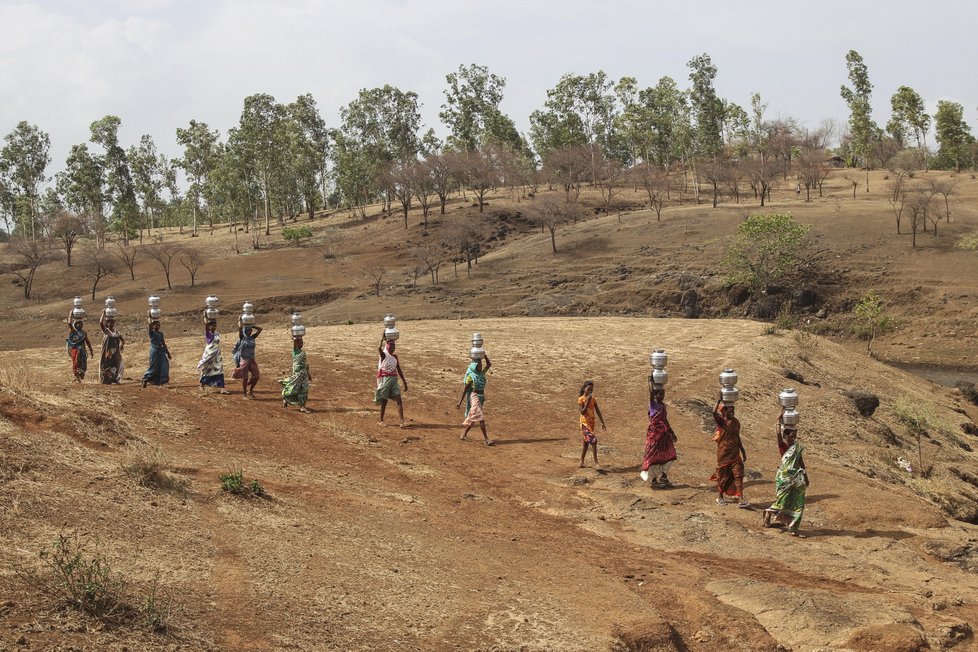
(381, 538)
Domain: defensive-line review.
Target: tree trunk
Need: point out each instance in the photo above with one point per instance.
(553, 238)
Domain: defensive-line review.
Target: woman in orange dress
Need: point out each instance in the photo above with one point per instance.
(588, 406)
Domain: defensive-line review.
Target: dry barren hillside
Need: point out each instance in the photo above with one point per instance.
(381, 538)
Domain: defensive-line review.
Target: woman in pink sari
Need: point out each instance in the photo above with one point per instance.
(660, 441)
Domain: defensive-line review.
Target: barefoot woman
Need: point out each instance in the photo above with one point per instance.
(474, 395)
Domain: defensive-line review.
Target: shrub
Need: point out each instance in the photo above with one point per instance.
(233, 482)
(295, 234)
(919, 420)
(87, 582)
(969, 242)
(807, 346)
(871, 321)
(765, 250)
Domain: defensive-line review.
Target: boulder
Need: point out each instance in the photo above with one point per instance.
(765, 307)
(690, 304)
(804, 298)
(969, 428)
(738, 294)
(865, 402)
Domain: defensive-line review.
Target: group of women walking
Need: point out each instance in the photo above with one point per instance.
(659, 454)
(791, 479)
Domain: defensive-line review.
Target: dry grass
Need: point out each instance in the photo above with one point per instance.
(20, 378)
(149, 466)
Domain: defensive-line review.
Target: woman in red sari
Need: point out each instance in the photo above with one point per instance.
(731, 456)
(660, 440)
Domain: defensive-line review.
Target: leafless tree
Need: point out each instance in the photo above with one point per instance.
(761, 175)
(98, 264)
(31, 254)
(399, 178)
(569, 166)
(164, 253)
(656, 183)
(192, 260)
(944, 188)
(376, 273)
(68, 228)
(607, 174)
(550, 212)
(443, 181)
(431, 255)
(423, 185)
(898, 199)
(128, 257)
(918, 205)
(465, 237)
(477, 170)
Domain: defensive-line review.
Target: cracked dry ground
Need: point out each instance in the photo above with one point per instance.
(383, 538)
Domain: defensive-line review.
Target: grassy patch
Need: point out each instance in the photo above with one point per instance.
(233, 482)
(150, 467)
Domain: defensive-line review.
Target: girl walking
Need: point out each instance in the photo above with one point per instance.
(588, 406)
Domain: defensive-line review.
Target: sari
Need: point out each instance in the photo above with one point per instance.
(475, 394)
(158, 372)
(111, 366)
(660, 449)
(247, 365)
(387, 387)
(75, 345)
(587, 419)
(790, 487)
(295, 388)
(211, 365)
(729, 475)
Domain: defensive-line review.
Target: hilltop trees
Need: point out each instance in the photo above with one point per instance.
(120, 192)
(23, 161)
(199, 153)
(471, 110)
(953, 135)
(861, 126)
(909, 118)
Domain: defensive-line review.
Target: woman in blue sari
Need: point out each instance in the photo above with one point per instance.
(474, 395)
(159, 357)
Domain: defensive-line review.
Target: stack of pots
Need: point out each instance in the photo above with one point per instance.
(298, 329)
(111, 312)
(77, 312)
(728, 387)
(788, 398)
(248, 314)
(660, 376)
(154, 308)
(210, 312)
(390, 331)
(477, 352)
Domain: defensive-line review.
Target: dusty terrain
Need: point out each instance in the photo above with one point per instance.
(381, 538)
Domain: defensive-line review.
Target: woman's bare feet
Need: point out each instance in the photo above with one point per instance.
(464, 437)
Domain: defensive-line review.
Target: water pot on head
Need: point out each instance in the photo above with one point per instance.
(658, 359)
(790, 418)
(788, 398)
(211, 301)
(729, 394)
(154, 301)
(728, 378)
(390, 321)
(391, 334)
(660, 376)
(476, 353)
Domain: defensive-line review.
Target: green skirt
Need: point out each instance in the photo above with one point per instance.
(388, 389)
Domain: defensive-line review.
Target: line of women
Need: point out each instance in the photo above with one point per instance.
(791, 480)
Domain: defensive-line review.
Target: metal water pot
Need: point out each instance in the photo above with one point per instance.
(298, 330)
(477, 353)
(111, 313)
(660, 376)
(211, 313)
(729, 394)
(247, 319)
(788, 398)
(728, 378)
(77, 302)
(477, 340)
(390, 321)
(296, 318)
(391, 334)
(154, 301)
(790, 418)
(155, 313)
(78, 313)
(211, 301)
(658, 359)
(248, 308)
(109, 303)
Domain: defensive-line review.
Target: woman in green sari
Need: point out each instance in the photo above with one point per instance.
(474, 396)
(791, 482)
(295, 388)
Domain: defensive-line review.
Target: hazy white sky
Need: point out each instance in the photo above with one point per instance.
(159, 63)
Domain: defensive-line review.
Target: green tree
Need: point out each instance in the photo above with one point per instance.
(199, 148)
(471, 110)
(707, 108)
(765, 250)
(311, 151)
(120, 190)
(259, 137)
(953, 135)
(668, 117)
(909, 117)
(861, 126)
(81, 184)
(871, 319)
(24, 159)
(148, 179)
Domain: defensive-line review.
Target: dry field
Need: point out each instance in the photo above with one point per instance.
(382, 538)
